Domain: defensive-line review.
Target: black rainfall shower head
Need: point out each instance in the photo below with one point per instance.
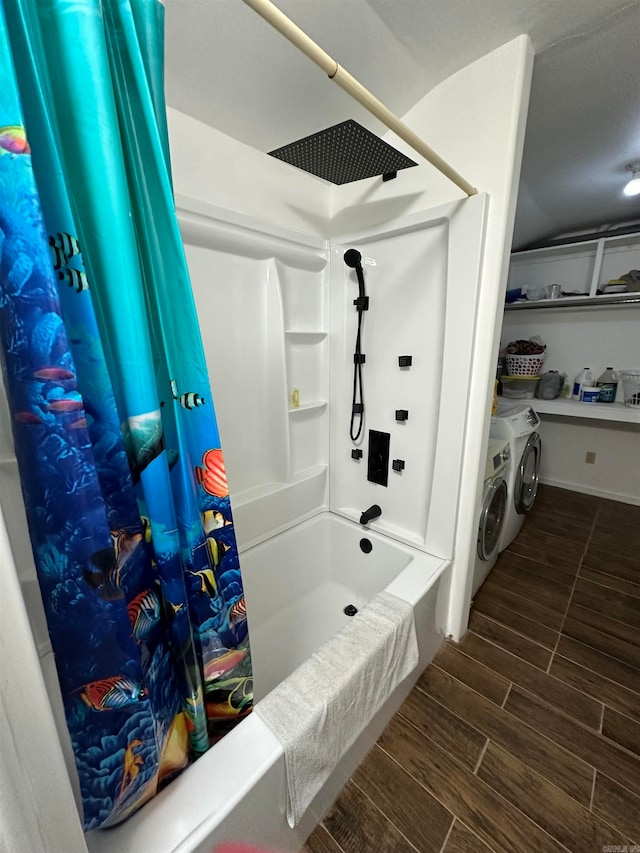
(343, 153)
(353, 258)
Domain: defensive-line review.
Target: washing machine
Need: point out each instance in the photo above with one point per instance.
(517, 423)
(493, 510)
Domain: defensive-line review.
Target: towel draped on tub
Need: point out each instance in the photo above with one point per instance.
(320, 709)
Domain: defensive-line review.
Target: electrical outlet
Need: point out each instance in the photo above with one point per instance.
(590, 458)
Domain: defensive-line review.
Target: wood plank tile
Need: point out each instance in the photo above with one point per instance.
(488, 606)
(495, 590)
(590, 747)
(551, 595)
(622, 730)
(557, 693)
(611, 581)
(589, 682)
(550, 550)
(462, 840)
(613, 563)
(619, 539)
(456, 736)
(471, 673)
(592, 630)
(516, 562)
(606, 666)
(571, 503)
(544, 519)
(508, 640)
(557, 813)
(618, 806)
(419, 816)
(356, 824)
(616, 605)
(574, 776)
(616, 512)
(321, 842)
(604, 624)
(487, 814)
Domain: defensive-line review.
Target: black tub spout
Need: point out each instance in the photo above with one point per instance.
(371, 513)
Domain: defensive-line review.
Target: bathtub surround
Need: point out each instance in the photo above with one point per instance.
(257, 244)
(319, 711)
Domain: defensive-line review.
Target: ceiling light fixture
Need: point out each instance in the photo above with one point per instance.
(633, 187)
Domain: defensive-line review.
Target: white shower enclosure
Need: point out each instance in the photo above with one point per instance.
(276, 313)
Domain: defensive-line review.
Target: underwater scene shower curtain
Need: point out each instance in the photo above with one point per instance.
(114, 427)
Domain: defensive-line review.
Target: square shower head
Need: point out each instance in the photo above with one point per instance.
(343, 153)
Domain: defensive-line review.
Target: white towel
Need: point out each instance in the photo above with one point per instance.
(320, 709)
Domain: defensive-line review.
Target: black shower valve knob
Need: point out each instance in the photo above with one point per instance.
(398, 464)
(402, 414)
(356, 453)
(405, 360)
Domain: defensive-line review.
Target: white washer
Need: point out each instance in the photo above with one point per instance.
(493, 511)
(518, 424)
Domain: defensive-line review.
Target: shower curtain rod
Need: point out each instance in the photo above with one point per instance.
(346, 81)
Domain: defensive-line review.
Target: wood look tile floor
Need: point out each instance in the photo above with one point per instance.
(526, 735)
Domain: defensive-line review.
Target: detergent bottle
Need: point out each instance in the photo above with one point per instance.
(585, 377)
(608, 385)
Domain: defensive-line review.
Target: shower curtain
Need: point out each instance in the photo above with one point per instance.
(114, 428)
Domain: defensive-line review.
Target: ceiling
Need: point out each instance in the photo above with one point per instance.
(228, 68)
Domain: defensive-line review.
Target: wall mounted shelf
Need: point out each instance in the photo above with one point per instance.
(305, 336)
(307, 407)
(583, 268)
(604, 301)
(592, 411)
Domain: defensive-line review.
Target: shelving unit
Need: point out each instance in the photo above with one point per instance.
(581, 267)
(565, 302)
(304, 302)
(595, 330)
(613, 412)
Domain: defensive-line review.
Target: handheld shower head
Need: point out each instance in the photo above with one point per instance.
(353, 259)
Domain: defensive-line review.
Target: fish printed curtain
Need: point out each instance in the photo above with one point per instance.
(114, 427)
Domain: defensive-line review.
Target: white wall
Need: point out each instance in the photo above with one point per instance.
(616, 472)
(475, 120)
(210, 166)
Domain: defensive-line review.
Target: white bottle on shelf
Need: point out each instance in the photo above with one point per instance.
(585, 377)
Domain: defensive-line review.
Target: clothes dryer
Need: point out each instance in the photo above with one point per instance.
(518, 424)
(495, 498)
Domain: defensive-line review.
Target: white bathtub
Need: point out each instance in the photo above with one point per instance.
(297, 585)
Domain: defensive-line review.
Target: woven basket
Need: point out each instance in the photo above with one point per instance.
(525, 365)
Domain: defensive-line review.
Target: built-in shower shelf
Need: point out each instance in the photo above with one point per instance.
(303, 335)
(307, 407)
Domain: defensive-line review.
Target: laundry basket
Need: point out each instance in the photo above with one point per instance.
(525, 365)
(631, 386)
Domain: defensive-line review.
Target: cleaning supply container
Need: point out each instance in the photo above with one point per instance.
(608, 385)
(519, 387)
(584, 378)
(589, 394)
(631, 386)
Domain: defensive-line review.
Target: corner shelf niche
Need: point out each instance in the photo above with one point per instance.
(315, 405)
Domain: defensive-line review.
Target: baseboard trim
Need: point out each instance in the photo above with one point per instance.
(589, 490)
